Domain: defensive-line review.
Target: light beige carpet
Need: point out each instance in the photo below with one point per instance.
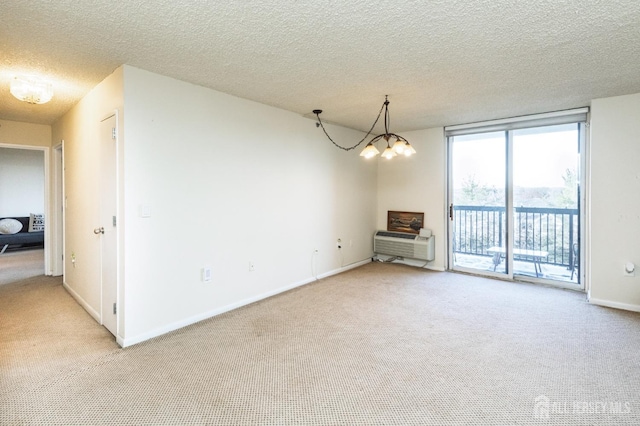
(383, 344)
(21, 264)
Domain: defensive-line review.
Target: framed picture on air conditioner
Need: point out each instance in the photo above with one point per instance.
(405, 221)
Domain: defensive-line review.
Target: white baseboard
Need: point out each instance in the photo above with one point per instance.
(95, 314)
(435, 268)
(343, 269)
(617, 305)
(120, 341)
(412, 262)
(124, 342)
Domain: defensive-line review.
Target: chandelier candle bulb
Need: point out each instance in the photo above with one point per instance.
(369, 151)
(399, 146)
(408, 150)
(389, 153)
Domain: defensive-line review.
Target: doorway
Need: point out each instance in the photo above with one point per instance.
(515, 205)
(24, 191)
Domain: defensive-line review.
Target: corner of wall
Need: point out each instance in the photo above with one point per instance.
(613, 216)
(418, 183)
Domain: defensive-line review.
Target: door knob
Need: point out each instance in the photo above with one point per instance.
(99, 230)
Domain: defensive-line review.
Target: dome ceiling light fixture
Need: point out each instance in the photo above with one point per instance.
(31, 90)
(401, 145)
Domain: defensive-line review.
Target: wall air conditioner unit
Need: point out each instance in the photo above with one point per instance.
(404, 245)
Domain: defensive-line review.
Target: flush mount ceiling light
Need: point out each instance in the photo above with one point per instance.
(401, 145)
(31, 90)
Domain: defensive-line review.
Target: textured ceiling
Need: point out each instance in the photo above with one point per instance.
(441, 62)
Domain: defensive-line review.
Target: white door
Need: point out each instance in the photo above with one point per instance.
(107, 228)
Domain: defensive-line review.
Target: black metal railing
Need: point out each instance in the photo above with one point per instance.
(478, 228)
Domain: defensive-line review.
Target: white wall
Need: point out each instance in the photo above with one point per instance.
(79, 130)
(34, 137)
(17, 133)
(417, 184)
(21, 182)
(615, 201)
(227, 182)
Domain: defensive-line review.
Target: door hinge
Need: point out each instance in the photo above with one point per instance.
(113, 133)
(115, 309)
(114, 220)
(451, 211)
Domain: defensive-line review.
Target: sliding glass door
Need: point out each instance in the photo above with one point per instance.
(546, 219)
(515, 202)
(478, 202)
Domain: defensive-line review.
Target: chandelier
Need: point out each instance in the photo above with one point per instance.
(31, 90)
(400, 146)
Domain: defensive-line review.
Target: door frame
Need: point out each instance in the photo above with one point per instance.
(116, 188)
(508, 275)
(558, 117)
(58, 211)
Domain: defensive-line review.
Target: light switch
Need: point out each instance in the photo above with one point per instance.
(206, 274)
(145, 210)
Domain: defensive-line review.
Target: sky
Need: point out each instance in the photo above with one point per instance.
(540, 157)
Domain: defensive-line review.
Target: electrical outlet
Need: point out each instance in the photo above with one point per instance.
(206, 274)
(73, 259)
(629, 269)
(252, 266)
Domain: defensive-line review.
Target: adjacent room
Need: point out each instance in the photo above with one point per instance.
(320, 213)
(22, 205)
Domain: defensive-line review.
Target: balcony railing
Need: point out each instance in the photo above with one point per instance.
(478, 228)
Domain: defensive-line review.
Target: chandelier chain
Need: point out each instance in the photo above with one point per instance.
(361, 140)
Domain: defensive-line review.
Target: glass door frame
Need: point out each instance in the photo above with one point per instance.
(508, 258)
(583, 125)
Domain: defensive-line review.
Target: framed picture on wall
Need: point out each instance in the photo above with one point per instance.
(405, 221)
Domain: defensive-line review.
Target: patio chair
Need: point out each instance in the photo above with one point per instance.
(576, 260)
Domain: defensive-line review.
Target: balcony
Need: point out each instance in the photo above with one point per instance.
(476, 229)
